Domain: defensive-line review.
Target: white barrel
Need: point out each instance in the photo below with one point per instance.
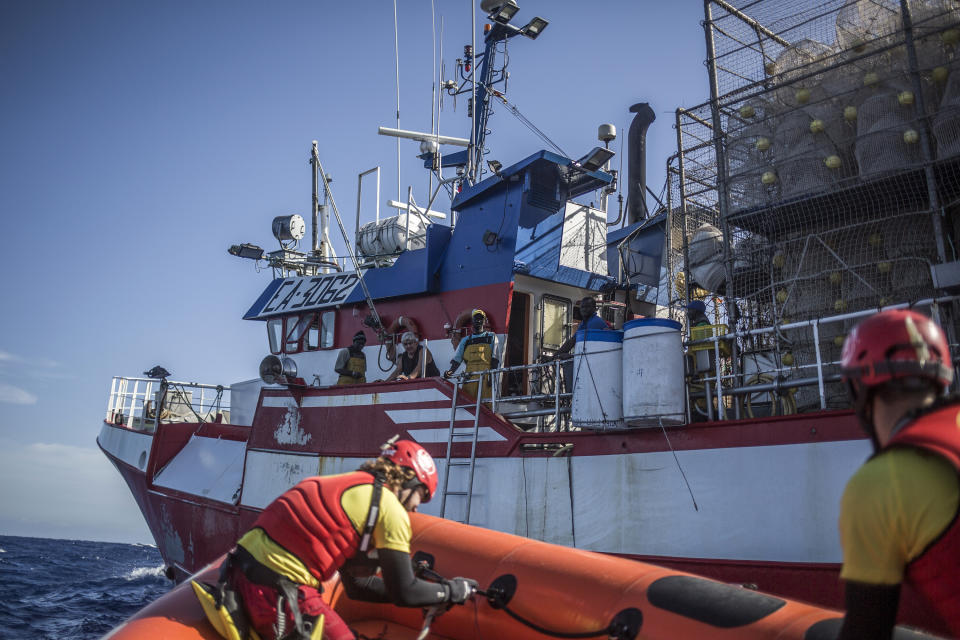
(392, 235)
(597, 385)
(653, 388)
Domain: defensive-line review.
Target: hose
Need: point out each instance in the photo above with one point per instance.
(787, 402)
(612, 630)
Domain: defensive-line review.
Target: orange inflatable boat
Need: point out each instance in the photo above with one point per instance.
(533, 590)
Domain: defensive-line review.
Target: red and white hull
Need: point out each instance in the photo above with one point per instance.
(752, 501)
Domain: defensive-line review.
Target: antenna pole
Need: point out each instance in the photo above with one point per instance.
(315, 209)
(433, 95)
(396, 51)
(346, 240)
(471, 167)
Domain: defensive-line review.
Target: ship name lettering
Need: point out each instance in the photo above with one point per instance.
(268, 308)
(289, 296)
(336, 293)
(306, 295)
(317, 291)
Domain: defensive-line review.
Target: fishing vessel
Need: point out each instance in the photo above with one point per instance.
(707, 430)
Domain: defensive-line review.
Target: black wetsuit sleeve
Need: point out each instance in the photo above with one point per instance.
(402, 587)
(360, 583)
(871, 611)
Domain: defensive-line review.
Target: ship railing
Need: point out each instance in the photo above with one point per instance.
(134, 402)
(719, 401)
(546, 403)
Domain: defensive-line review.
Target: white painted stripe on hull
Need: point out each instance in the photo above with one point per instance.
(280, 402)
(413, 416)
(269, 473)
(207, 467)
(360, 399)
(484, 434)
(130, 446)
(770, 503)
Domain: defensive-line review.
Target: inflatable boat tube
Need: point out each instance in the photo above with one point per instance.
(534, 584)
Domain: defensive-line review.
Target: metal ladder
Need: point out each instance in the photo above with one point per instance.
(472, 462)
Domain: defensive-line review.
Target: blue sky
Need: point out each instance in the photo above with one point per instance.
(140, 140)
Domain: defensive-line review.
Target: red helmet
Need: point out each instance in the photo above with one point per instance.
(896, 344)
(406, 453)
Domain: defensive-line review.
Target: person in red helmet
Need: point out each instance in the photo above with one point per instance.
(898, 516)
(271, 581)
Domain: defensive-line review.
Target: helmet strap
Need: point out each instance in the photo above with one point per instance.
(863, 407)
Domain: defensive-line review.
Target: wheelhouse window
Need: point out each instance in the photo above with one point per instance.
(312, 342)
(326, 329)
(304, 332)
(295, 330)
(556, 314)
(275, 333)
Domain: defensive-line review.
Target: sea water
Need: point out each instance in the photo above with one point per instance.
(73, 589)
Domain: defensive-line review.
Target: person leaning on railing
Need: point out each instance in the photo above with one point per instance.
(415, 360)
(477, 352)
(588, 320)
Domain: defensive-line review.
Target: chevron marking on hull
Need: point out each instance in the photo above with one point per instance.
(415, 416)
(359, 399)
(485, 434)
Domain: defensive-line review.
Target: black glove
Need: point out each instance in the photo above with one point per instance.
(459, 589)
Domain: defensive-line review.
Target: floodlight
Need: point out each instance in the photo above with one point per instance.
(501, 12)
(273, 370)
(534, 27)
(246, 250)
(289, 227)
(594, 160)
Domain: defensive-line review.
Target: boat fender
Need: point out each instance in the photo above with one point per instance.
(624, 626)
(720, 605)
(405, 322)
(464, 320)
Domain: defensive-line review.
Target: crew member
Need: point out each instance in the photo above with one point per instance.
(697, 313)
(588, 320)
(898, 517)
(351, 362)
(415, 360)
(477, 351)
(272, 578)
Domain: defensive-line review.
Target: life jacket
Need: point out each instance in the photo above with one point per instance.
(357, 363)
(309, 522)
(934, 572)
(478, 356)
